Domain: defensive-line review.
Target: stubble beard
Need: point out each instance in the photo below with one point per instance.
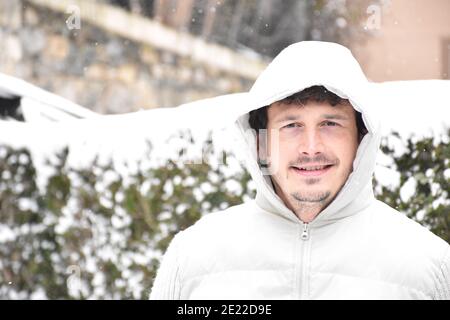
(305, 205)
(309, 205)
(317, 198)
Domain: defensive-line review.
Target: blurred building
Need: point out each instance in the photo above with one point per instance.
(412, 41)
(112, 60)
(402, 39)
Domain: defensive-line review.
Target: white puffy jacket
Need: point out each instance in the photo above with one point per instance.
(356, 248)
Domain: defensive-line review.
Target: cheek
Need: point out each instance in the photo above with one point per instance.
(346, 151)
(342, 145)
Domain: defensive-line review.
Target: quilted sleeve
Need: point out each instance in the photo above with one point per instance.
(443, 280)
(167, 282)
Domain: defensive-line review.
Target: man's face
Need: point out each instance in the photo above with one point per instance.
(317, 144)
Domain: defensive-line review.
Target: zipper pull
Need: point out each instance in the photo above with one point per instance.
(305, 233)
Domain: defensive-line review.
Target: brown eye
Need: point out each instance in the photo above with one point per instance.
(291, 125)
(331, 124)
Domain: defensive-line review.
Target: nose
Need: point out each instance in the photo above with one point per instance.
(311, 142)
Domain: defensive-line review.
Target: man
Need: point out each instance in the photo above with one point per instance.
(315, 230)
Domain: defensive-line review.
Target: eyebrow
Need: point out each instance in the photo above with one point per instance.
(291, 117)
(287, 118)
(335, 117)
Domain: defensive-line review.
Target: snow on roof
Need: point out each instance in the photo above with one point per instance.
(419, 107)
(37, 102)
(416, 109)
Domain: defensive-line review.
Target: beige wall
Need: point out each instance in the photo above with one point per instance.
(412, 42)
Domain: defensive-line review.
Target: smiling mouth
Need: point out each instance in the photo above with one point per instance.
(309, 171)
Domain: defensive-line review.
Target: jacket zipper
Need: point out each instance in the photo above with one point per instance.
(304, 264)
(305, 233)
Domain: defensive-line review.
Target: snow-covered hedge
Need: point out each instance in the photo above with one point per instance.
(93, 233)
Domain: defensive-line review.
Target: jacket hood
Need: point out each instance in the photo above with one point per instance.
(300, 66)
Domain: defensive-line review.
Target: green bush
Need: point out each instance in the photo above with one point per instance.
(426, 164)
